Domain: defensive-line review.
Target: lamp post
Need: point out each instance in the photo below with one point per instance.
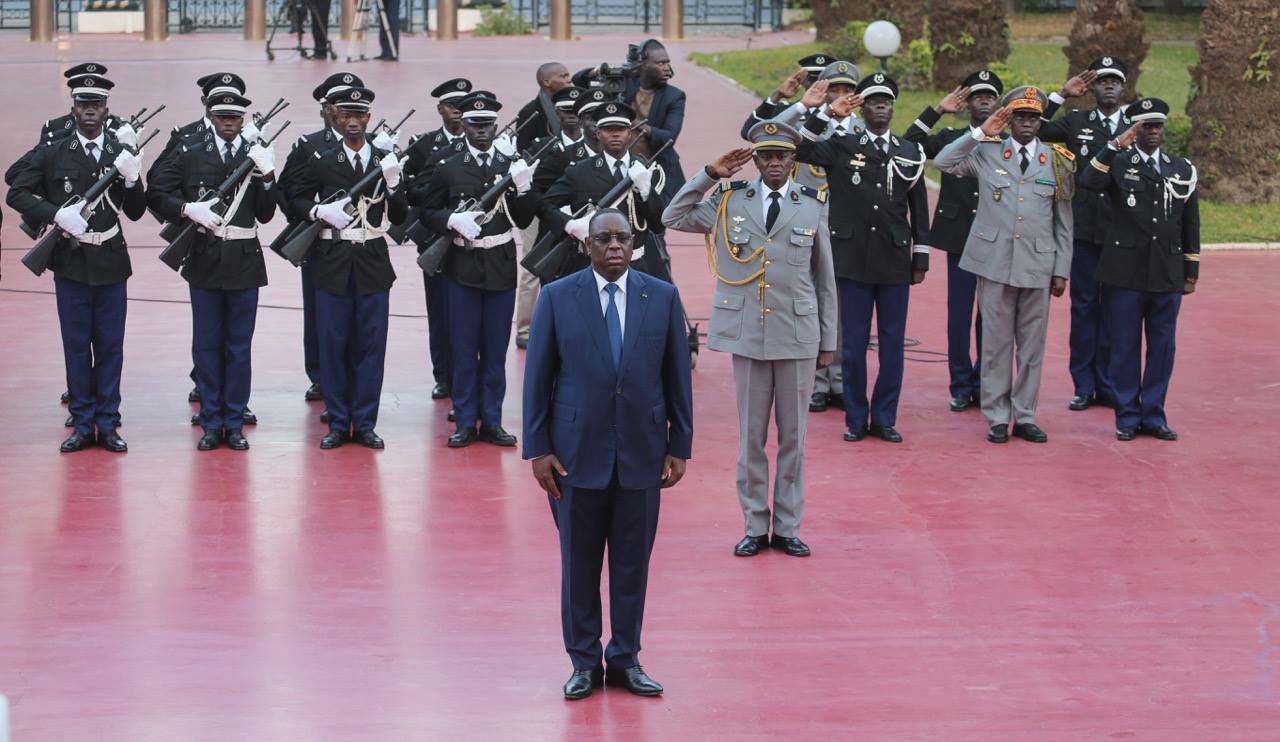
(882, 40)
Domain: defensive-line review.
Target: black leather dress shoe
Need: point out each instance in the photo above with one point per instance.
(248, 418)
(792, 545)
(633, 679)
(195, 419)
(65, 398)
(333, 439)
(750, 545)
(818, 402)
(522, 343)
(369, 439)
(1164, 432)
(854, 434)
(582, 682)
(496, 435)
(1030, 432)
(209, 440)
(1126, 434)
(236, 441)
(77, 442)
(324, 416)
(836, 401)
(960, 404)
(313, 393)
(70, 422)
(453, 415)
(194, 395)
(998, 433)
(463, 437)
(440, 391)
(112, 441)
(885, 433)
(1078, 403)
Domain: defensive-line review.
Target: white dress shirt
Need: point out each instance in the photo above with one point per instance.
(477, 153)
(620, 299)
(364, 152)
(221, 145)
(609, 161)
(97, 142)
(764, 195)
(1152, 159)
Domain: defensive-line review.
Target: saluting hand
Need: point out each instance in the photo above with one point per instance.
(816, 94)
(997, 122)
(730, 162)
(954, 100)
(1127, 138)
(544, 470)
(1079, 85)
(844, 105)
(672, 471)
(790, 86)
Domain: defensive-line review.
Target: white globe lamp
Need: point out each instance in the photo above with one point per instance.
(882, 40)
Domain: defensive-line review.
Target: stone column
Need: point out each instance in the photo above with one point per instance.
(155, 23)
(255, 20)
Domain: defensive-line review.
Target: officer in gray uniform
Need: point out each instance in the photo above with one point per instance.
(1020, 249)
(774, 309)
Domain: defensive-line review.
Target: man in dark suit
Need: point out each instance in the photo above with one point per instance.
(608, 422)
(551, 77)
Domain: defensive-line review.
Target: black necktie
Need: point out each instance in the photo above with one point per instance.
(884, 146)
(775, 206)
(617, 169)
(1154, 163)
(484, 162)
(1023, 161)
(357, 164)
(91, 149)
(227, 154)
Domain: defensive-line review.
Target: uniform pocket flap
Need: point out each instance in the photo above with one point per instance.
(1043, 190)
(801, 240)
(806, 306)
(731, 301)
(949, 210)
(985, 232)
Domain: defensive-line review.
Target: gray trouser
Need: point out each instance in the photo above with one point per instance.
(780, 388)
(526, 283)
(830, 380)
(1011, 316)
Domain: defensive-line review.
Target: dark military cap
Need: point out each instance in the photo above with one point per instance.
(590, 101)
(815, 63)
(1146, 110)
(89, 87)
(484, 94)
(351, 99)
(334, 83)
(615, 113)
(1113, 66)
(1026, 98)
(479, 108)
(228, 104)
(840, 72)
(221, 82)
(453, 89)
(86, 68)
(773, 135)
(567, 97)
(984, 80)
(878, 84)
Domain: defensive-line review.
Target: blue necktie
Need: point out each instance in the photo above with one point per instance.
(614, 324)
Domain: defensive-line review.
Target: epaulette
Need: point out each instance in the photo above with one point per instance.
(814, 193)
(318, 155)
(1061, 150)
(733, 185)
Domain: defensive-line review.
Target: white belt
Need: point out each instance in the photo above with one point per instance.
(354, 234)
(97, 238)
(484, 243)
(227, 232)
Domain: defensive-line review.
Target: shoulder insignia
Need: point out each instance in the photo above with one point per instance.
(439, 137)
(1063, 151)
(734, 185)
(814, 193)
(318, 156)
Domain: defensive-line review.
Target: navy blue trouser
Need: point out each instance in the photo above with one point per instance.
(479, 333)
(889, 301)
(92, 323)
(353, 352)
(627, 522)
(1139, 391)
(310, 342)
(962, 321)
(438, 328)
(1090, 338)
(222, 325)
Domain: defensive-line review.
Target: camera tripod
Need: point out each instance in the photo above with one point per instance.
(367, 11)
(296, 14)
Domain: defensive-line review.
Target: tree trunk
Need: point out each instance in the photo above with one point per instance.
(966, 35)
(829, 16)
(1106, 28)
(1234, 141)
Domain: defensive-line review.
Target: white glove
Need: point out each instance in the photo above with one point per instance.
(506, 144)
(391, 167)
(251, 132)
(578, 227)
(70, 220)
(335, 214)
(387, 140)
(201, 212)
(127, 136)
(465, 224)
(522, 174)
(641, 178)
(129, 166)
(264, 158)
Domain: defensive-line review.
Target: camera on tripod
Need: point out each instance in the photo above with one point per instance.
(613, 78)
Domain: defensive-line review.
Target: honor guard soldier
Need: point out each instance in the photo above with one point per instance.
(479, 268)
(879, 227)
(224, 266)
(202, 129)
(585, 183)
(1085, 133)
(1020, 249)
(772, 107)
(304, 150)
(774, 309)
(957, 203)
(1150, 258)
(351, 268)
(90, 261)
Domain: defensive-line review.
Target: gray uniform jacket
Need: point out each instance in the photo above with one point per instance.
(1021, 235)
(785, 307)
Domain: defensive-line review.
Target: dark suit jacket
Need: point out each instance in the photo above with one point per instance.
(596, 419)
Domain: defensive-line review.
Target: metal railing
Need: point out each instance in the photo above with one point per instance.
(756, 14)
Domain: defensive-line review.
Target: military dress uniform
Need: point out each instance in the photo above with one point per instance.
(353, 277)
(202, 128)
(879, 219)
(1151, 248)
(952, 218)
(225, 270)
(1085, 133)
(774, 309)
(91, 270)
(479, 276)
(1020, 241)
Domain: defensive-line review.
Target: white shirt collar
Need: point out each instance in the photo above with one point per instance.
(601, 281)
(365, 153)
(1113, 118)
(98, 140)
(336, 134)
(587, 147)
(1032, 147)
(476, 153)
(609, 160)
(208, 124)
(221, 144)
(566, 140)
(766, 190)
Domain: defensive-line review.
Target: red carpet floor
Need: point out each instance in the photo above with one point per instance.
(1085, 589)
